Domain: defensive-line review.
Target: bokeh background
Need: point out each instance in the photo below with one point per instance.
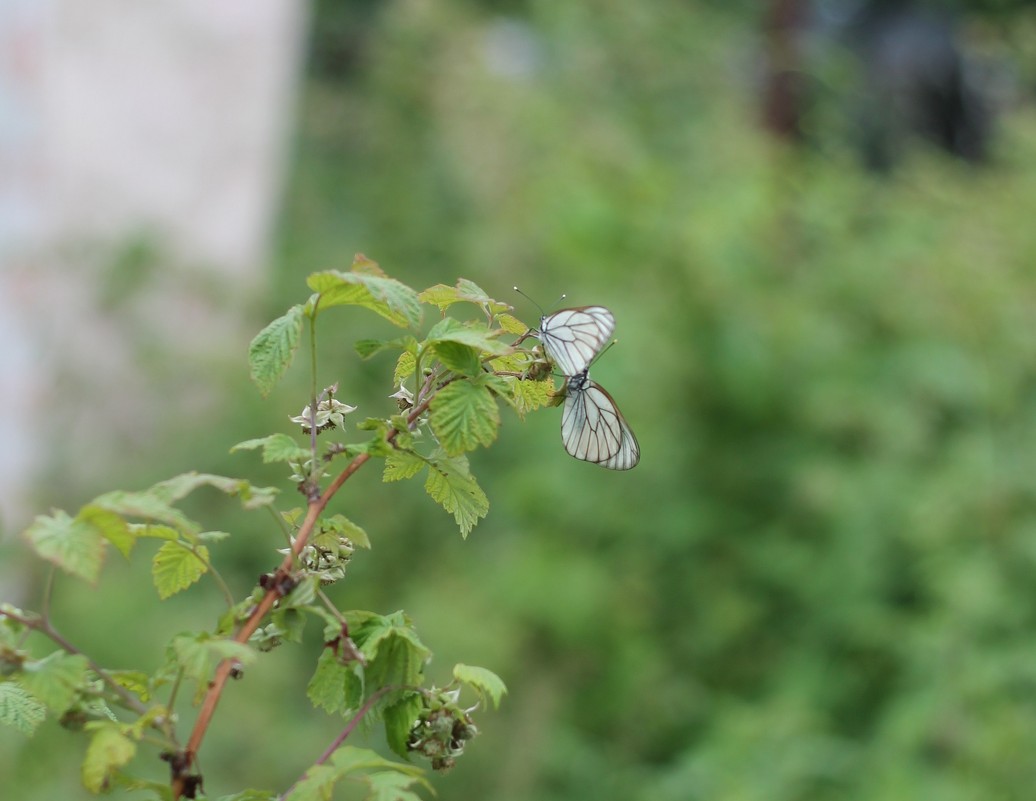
(814, 223)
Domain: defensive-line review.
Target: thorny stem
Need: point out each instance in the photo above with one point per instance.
(273, 594)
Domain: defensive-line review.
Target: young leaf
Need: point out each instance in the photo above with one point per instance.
(464, 415)
(55, 680)
(400, 464)
(527, 396)
(273, 348)
(405, 366)
(149, 505)
(335, 686)
(477, 335)
(511, 324)
(276, 448)
(391, 785)
(460, 358)
(349, 759)
(176, 567)
(394, 654)
(368, 347)
(110, 526)
(485, 682)
(394, 301)
(340, 525)
(440, 295)
(19, 710)
(470, 291)
(109, 750)
(199, 653)
(73, 545)
(251, 795)
(399, 718)
(451, 485)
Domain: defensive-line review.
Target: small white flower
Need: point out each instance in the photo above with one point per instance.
(330, 414)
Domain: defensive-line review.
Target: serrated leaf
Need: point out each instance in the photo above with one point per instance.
(199, 653)
(73, 545)
(391, 785)
(273, 348)
(109, 525)
(475, 334)
(399, 718)
(148, 505)
(527, 396)
(335, 687)
(349, 759)
(460, 358)
(276, 448)
(485, 682)
(405, 366)
(464, 415)
(369, 347)
(150, 531)
(340, 525)
(395, 656)
(176, 567)
(400, 465)
(440, 295)
(109, 750)
(511, 324)
(55, 680)
(19, 709)
(251, 795)
(391, 299)
(451, 485)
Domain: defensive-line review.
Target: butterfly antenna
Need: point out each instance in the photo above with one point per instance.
(534, 303)
(603, 351)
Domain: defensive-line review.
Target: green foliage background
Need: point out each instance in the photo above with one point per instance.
(818, 584)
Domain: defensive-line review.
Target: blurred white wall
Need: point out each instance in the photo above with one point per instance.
(123, 121)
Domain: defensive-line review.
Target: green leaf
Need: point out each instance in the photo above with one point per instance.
(405, 366)
(176, 567)
(252, 795)
(349, 759)
(394, 654)
(109, 750)
(276, 448)
(109, 525)
(475, 334)
(369, 347)
(462, 359)
(440, 295)
(391, 785)
(511, 324)
(19, 709)
(394, 301)
(451, 485)
(463, 416)
(399, 718)
(148, 505)
(273, 348)
(340, 525)
(401, 465)
(335, 687)
(485, 682)
(56, 679)
(73, 545)
(199, 653)
(527, 396)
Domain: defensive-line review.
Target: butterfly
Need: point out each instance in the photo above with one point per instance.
(592, 427)
(573, 337)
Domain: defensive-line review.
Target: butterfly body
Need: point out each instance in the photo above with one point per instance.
(573, 337)
(592, 427)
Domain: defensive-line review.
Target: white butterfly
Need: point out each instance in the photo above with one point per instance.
(592, 427)
(572, 337)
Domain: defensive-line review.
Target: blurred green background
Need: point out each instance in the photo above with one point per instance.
(820, 581)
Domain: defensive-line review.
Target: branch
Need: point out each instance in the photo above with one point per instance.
(349, 728)
(276, 591)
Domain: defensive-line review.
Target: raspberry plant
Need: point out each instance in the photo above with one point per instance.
(447, 385)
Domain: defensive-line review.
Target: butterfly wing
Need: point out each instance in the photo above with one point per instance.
(572, 337)
(593, 429)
